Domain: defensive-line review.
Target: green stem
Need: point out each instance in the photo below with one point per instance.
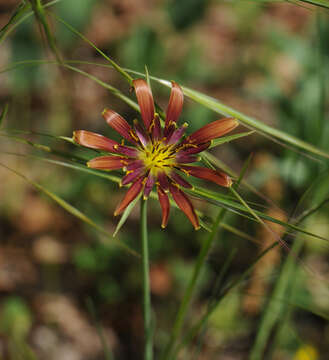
(148, 351)
(191, 287)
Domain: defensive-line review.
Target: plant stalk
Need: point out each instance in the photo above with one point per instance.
(148, 346)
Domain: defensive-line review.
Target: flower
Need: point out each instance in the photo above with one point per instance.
(157, 156)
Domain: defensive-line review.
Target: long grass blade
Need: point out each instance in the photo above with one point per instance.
(72, 210)
(22, 8)
(21, 14)
(41, 17)
(226, 139)
(125, 214)
(195, 329)
(116, 66)
(320, 3)
(275, 308)
(3, 114)
(222, 109)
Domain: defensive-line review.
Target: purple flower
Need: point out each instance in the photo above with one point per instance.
(157, 156)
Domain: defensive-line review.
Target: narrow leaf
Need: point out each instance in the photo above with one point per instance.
(3, 114)
(72, 210)
(125, 214)
(226, 139)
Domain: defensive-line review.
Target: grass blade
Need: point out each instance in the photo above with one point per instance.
(226, 139)
(19, 16)
(22, 8)
(40, 15)
(320, 3)
(3, 114)
(190, 335)
(118, 68)
(222, 109)
(125, 214)
(274, 307)
(72, 210)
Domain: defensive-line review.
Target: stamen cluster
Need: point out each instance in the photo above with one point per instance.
(160, 156)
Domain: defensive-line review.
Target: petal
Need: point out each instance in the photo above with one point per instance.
(176, 135)
(183, 159)
(145, 101)
(126, 150)
(215, 176)
(130, 195)
(136, 164)
(93, 140)
(179, 180)
(156, 128)
(163, 180)
(175, 104)
(141, 134)
(185, 205)
(165, 206)
(108, 163)
(131, 176)
(148, 186)
(213, 130)
(168, 131)
(193, 149)
(119, 124)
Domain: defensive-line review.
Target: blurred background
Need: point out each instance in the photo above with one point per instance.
(59, 282)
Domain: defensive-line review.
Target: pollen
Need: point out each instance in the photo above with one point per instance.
(158, 156)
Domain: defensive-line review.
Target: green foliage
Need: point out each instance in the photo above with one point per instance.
(16, 317)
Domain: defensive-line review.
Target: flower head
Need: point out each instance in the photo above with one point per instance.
(159, 156)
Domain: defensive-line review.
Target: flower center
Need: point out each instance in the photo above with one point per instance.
(158, 156)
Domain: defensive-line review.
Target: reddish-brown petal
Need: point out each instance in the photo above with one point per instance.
(130, 195)
(215, 176)
(156, 128)
(184, 159)
(93, 140)
(165, 206)
(145, 101)
(176, 136)
(163, 180)
(179, 180)
(175, 104)
(119, 124)
(108, 163)
(188, 149)
(185, 205)
(141, 134)
(213, 130)
(135, 164)
(131, 176)
(168, 131)
(126, 150)
(148, 186)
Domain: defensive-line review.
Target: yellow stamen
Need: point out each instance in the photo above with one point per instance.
(158, 157)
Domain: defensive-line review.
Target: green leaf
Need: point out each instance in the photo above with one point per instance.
(3, 114)
(321, 3)
(41, 17)
(125, 214)
(22, 8)
(116, 66)
(226, 139)
(21, 14)
(234, 206)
